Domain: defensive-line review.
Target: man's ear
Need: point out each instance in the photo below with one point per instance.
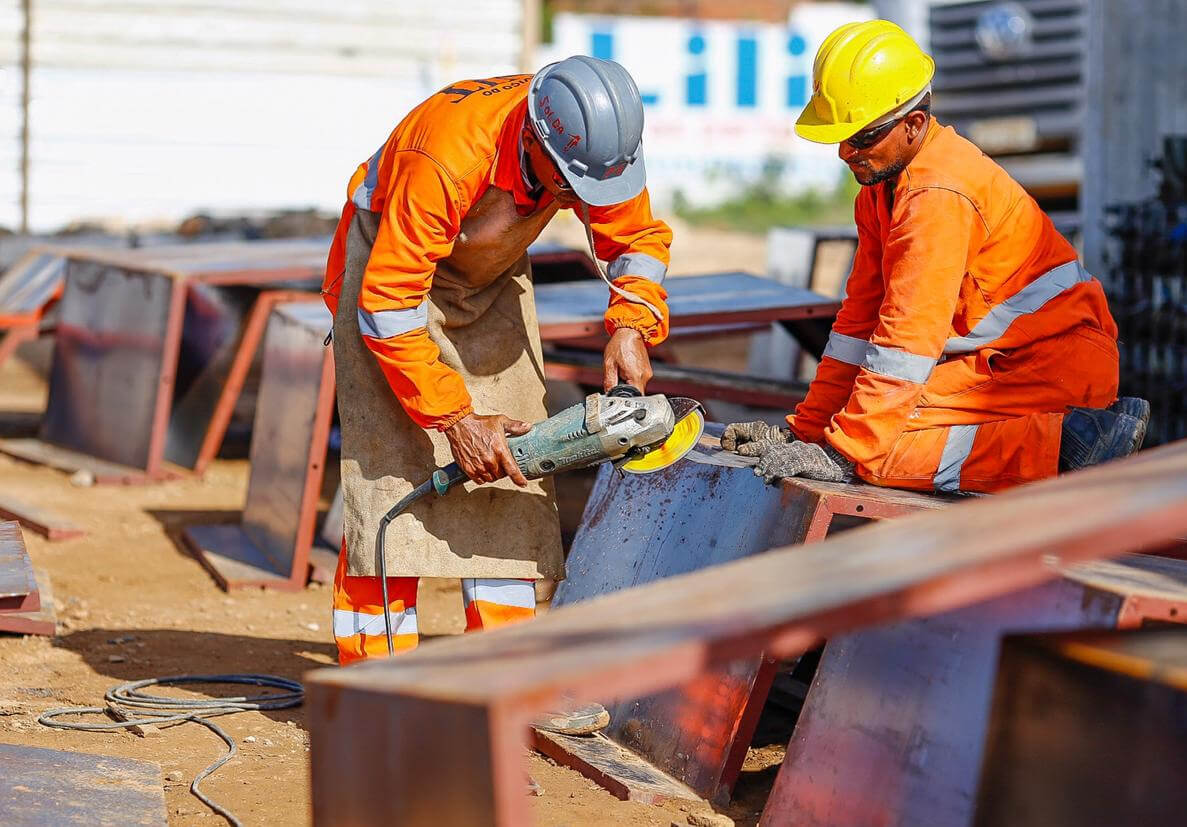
(916, 124)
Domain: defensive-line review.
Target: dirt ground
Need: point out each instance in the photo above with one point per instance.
(133, 604)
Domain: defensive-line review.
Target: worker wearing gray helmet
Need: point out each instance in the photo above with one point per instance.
(436, 345)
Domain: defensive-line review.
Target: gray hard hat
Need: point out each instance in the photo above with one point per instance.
(589, 117)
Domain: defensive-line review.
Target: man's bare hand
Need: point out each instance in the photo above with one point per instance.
(479, 444)
(625, 360)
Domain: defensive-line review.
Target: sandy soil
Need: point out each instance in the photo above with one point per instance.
(133, 604)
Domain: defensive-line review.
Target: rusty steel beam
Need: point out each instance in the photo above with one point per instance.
(437, 735)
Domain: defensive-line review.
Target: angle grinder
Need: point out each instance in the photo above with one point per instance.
(639, 434)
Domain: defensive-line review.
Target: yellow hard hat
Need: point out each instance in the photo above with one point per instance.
(862, 72)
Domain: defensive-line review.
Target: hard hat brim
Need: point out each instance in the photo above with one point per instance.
(608, 191)
(812, 128)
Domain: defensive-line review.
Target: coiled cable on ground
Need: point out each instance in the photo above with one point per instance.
(157, 710)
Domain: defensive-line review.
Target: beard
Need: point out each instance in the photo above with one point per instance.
(869, 178)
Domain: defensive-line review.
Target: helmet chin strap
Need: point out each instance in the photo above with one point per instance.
(583, 212)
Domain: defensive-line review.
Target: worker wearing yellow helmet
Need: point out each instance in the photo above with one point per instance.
(972, 351)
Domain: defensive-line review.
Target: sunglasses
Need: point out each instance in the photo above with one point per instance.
(870, 137)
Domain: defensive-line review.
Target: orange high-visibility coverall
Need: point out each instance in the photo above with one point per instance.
(967, 330)
(434, 166)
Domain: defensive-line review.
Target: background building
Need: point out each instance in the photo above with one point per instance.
(721, 95)
(145, 110)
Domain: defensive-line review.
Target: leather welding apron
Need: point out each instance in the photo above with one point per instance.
(482, 315)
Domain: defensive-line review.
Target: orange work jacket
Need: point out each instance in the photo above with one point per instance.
(953, 257)
(423, 180)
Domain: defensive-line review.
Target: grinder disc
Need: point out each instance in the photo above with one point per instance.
(682, 440)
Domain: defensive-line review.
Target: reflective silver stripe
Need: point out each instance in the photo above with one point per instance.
(847, 349)
(348, 623)
(898, 364)
(956, 451)
(638, 264)
(1027, 300)
(383, 324)
(363, 192)
(499, 591)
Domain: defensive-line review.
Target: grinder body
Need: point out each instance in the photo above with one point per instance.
(604, 427)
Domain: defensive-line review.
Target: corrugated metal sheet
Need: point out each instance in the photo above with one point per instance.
(1024, 106)
(147, 110)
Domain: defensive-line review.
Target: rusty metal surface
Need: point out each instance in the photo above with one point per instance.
(146, 341)
(213, 321)
(641, 528)
(282, 445)
(16, 570)
(392, 738)
(50, 787)
(573, 309)
(30, 284)
(109, 363)
(893, 727)
(1087, 731)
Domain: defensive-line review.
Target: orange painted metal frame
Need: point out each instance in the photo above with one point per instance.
(249, 345)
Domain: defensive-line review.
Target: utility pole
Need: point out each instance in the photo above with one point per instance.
(530, 35)
(26, 72)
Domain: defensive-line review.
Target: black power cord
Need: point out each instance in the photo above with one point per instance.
(159, 709)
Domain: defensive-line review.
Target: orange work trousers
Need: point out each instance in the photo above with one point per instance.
(992, 419)
(359, 627)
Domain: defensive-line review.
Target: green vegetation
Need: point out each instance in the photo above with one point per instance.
(762, 205)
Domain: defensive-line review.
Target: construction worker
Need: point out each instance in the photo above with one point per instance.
(436, 346)
(972, 351)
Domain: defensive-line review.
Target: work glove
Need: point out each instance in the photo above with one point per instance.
(803, 459)
(750, 439)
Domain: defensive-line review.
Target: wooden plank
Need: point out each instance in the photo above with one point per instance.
(38, 520)
(370, 723)
(42, 621)
(616, 769)
(18, 586)
(49, 787)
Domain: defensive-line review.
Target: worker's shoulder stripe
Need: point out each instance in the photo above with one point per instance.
(638, 264)
(383, 324)
(1029, 299)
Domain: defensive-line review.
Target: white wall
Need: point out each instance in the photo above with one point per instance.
(153, 109)
(707, 151)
